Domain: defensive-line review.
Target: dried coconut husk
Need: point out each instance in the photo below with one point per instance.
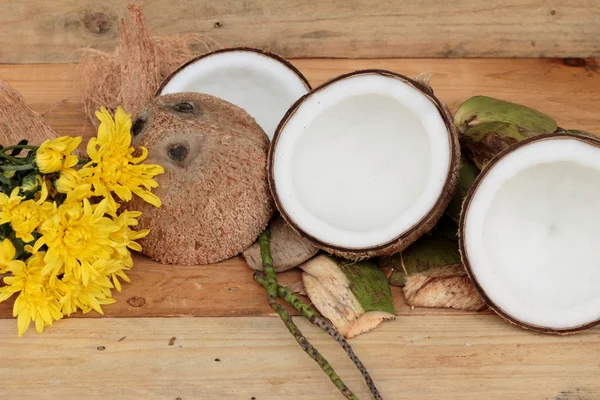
(354, 296)
(18, 121)
(431, 274)
(132, 73)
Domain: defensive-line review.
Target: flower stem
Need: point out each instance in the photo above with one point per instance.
(269, 281)
(309, 313)
(19, 146)
(312, 315)
(11, 158)
(25, 167)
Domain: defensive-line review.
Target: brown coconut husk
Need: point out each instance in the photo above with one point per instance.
(132, 73)
(444, 287)
(214, 192)
(18, 121)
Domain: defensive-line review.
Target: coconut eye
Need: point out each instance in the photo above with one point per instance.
(178, 152)
(137, 126)
(184, 107)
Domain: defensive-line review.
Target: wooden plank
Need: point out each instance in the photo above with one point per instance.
(568, 93)
(421, 358)
(36, 32)
(571, 94)
(219, 290)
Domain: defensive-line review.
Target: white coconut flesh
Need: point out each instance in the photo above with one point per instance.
(531, 234)
(260, 84)
(361, 161)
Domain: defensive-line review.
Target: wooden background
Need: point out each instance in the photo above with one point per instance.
(163, 337)
(206, 332)
(33, 31)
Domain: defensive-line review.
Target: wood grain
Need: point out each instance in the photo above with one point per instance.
(54, 31)
(219, 290)
(570, 92)
(418, 358)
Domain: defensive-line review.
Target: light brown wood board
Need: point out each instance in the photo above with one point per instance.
(424, 354)
(34, 31)
(477, 357)
(571, 94)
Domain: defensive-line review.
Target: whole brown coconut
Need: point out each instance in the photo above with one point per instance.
(214, 190)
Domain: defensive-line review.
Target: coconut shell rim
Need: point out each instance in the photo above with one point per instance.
(261, 52)
(461, 228)
(454, 162)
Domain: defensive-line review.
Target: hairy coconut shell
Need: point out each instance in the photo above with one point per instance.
(129, 75)
(462, 226)
(18, 121)
(214, 190)
(426, 223)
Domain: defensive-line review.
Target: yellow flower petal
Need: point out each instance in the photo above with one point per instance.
(23, 321)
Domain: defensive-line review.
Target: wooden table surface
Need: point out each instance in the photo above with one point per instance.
(206, 332)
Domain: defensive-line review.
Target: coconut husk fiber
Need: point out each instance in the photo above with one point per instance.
(18, 121)
(132, 73)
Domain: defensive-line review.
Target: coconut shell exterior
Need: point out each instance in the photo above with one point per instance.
(18, 121)
(426, 223)
(287, 248)
(214, 191)
(465, 256)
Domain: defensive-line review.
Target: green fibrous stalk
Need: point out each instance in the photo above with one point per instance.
(481, 109)
(355, 297)
(268, 279)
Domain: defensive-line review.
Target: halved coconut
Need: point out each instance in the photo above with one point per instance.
(214, 192)
(529, 233)
(364, 164)
(262, 83)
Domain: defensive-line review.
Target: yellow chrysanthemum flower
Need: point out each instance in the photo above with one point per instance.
(38, 298)
(27, 215)
(113, 168)
(123, 240)
(125, 237)
(88, 297)
(7, 255)
(8, 203)
(77, 234)
(54, 155)
(71, 183)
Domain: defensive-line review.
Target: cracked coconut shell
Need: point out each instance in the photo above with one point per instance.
(214, 190)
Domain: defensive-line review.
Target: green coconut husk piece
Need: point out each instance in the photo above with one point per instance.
(431, 274)
(439, 248)
(484, 141)
(466, 176)
(354, 296)
(482, 109)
